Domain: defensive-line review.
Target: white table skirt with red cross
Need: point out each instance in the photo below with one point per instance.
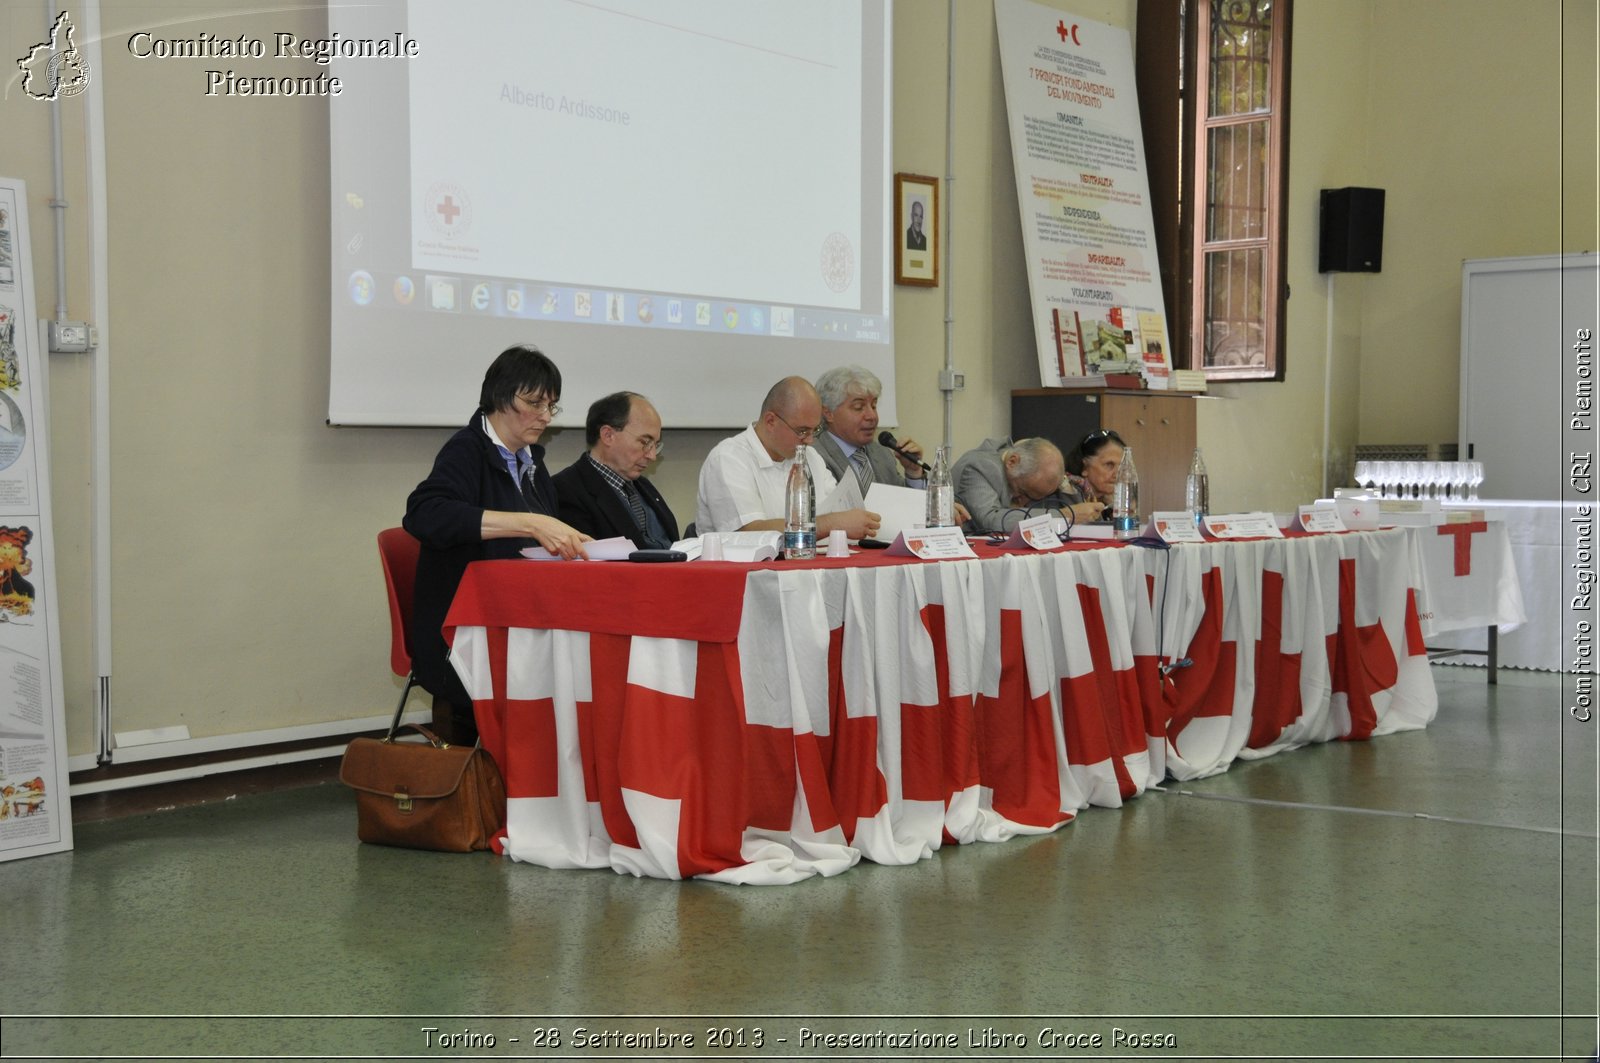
(766, 723)
(1509, 571)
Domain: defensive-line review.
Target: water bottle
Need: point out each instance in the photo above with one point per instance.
(800, 509)
(1125, 498)
(941, 492)
(1197, 489)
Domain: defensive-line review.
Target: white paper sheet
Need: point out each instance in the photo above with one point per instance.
(899, 509)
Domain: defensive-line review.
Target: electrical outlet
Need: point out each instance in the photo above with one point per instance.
(952, 380)
(69, 337)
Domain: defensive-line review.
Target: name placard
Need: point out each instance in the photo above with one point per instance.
(1243, 526)
(1319, 520)
(931, 544)
(1174, 526)
(1036, 533)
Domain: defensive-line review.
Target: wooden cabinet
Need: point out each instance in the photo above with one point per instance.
(1157, 425)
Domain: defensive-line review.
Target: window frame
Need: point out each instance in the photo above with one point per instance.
(1173, 82)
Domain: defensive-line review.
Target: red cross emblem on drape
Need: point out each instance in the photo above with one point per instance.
(1464, 534)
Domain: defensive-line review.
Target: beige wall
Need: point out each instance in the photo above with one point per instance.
(246, 591)
(1580, 194)
(1455, 108)
(1472, 163)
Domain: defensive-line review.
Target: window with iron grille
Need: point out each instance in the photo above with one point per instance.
(1213, 85)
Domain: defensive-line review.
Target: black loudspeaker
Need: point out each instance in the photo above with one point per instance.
(1352, 231)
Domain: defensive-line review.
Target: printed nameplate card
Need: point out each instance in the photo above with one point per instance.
(1243, 526)
(931, 544)
(1174, 526)
(1039, 533)
(1319, 519)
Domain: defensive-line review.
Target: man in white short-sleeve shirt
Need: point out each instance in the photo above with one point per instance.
(743, 479)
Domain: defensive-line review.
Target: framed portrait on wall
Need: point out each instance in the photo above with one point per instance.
(916, 235)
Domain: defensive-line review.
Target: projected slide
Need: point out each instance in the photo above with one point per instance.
(636, 162)
(686, 198)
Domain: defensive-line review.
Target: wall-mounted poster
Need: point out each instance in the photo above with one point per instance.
(1084, 195)
(35, 817)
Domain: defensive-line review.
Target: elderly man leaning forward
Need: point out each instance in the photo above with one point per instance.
(605, 493)
(849, 443)
(1002, 483)
(743, 479)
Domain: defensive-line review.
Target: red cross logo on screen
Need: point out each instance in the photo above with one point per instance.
(1463, 534)
(1064, 32)
(447, 209)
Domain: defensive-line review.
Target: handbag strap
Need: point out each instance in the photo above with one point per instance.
(433, 739)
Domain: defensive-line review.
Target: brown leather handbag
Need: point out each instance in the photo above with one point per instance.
(430, 795)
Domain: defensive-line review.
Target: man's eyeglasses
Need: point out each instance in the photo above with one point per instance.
(805, 435)
(649, 445)
(541, 406)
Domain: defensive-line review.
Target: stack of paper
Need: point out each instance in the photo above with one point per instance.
(751, 546)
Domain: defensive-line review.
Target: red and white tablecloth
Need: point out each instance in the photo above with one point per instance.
(766, 723)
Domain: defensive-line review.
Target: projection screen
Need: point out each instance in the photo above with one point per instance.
(685, 198)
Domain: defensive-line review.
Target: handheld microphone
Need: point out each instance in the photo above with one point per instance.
(887, 439)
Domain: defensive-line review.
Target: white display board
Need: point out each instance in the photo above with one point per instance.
(1083, 190)
(1520, 384)
(35, 814)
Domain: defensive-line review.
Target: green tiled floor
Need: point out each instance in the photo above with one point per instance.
(1445, 878)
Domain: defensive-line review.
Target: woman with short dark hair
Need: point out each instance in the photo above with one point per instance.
(488, 496)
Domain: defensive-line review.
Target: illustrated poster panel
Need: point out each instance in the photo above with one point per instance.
(35, 817)
(1084, 194)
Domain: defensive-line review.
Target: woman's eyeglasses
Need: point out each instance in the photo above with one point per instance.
(541, 406)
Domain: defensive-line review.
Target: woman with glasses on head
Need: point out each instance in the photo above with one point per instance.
(488, 496)
(1092, 469)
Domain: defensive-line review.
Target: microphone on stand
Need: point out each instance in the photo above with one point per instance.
(887, 439)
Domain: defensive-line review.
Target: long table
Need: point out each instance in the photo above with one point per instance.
(766, 723)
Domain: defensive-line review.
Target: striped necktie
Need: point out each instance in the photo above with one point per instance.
(863, 469)
(636, 504)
